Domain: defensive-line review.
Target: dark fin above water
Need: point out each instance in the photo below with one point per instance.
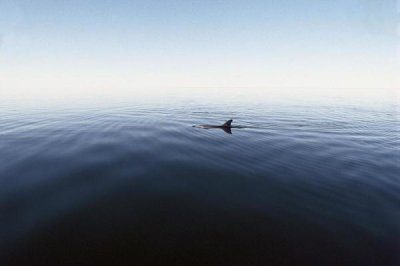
(227, 123)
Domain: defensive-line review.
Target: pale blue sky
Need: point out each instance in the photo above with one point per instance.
(104, 44)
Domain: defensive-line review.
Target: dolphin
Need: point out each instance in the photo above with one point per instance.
(225, 126)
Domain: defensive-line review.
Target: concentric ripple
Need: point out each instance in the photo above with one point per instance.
(312, 180)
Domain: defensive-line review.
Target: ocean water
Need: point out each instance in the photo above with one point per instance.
(310, 177)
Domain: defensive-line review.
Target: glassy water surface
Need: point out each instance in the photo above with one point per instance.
(311, 177)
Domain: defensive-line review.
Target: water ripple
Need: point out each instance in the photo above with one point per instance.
(333, 167)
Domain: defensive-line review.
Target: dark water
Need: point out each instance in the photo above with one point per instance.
(312, 178)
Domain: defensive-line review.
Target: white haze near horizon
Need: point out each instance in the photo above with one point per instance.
(75, 49)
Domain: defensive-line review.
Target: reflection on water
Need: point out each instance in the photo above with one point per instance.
(308, 178)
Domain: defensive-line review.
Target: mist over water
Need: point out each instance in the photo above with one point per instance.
(311, 178)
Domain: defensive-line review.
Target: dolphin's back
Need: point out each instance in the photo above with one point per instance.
(227, 124)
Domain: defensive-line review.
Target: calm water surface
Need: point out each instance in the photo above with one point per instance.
(311, 178)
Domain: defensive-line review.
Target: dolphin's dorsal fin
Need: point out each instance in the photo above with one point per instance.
(227, 123)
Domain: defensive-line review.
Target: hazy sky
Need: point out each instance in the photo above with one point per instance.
(109, 44)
